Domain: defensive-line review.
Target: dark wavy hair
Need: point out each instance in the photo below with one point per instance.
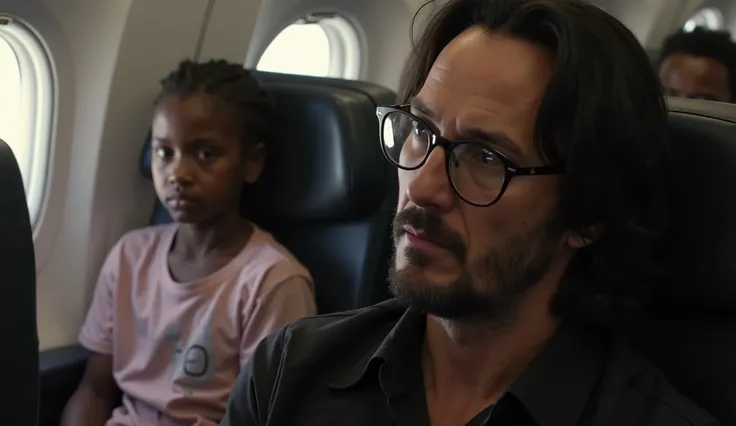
(706, 43)
(231, 84)
(603, 116)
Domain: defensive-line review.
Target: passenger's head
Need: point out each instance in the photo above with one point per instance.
(563, 127)
(210, 128)
(700, 65)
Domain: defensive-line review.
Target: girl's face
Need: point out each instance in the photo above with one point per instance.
(199, 158)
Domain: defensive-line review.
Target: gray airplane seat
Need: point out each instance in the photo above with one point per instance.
(19, 335)
(327, 193)
(692, 333)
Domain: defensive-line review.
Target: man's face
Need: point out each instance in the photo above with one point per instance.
(688, 76)
(455, 260)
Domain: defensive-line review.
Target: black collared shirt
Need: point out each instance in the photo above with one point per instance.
(363, 368)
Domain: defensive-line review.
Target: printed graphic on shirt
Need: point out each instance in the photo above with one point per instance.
(192, 358)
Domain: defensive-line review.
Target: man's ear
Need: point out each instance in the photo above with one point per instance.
(255, 160)
(580, 239)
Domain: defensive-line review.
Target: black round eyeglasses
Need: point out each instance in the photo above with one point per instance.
(478, 173)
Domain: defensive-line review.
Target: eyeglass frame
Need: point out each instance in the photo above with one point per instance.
(510, 168)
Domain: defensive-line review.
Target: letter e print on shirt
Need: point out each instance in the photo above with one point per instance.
(193, 359)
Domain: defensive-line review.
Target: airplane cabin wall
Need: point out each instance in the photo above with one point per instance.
(230, 29)
(670, 19)
(82, 37)
(654, 20)
(651, 20)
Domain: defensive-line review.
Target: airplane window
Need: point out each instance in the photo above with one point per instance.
(26, 105)
(710, 18)
(298, 49)
(317, 46)
(10, 101)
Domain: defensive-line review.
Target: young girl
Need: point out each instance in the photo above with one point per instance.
(178, 308)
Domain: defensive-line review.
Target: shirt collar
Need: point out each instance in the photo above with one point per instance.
(399, 351)
(554, 388)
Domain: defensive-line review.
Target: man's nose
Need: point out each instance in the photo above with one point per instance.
(429, 186)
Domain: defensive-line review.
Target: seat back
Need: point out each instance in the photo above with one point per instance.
(19, 336)
(326, 193)
(692, 332)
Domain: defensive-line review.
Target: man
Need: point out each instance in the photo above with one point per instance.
(531, 190)
(700, 65)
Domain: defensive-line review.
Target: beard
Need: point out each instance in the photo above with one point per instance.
(490, 288)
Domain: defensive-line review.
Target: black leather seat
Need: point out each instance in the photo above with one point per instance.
(327, 193)
(692, 333)
(19, 336)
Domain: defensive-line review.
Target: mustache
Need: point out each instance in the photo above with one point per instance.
(433, 229)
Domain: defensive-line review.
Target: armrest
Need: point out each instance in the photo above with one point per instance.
(61, 368)
(60, 371)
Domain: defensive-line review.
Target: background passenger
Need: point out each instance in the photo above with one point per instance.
(179, 308)
(699, 65)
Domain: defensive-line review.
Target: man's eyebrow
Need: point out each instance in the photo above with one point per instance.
(422, 108)
(494, 139)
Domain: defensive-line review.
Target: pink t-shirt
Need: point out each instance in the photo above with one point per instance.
(177, 348)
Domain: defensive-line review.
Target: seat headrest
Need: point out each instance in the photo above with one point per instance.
(323, 157)
(703, 200)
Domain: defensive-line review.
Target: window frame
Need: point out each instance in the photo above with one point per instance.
(712, 17)
(344, 43)
(345, 47)
(38, 99)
